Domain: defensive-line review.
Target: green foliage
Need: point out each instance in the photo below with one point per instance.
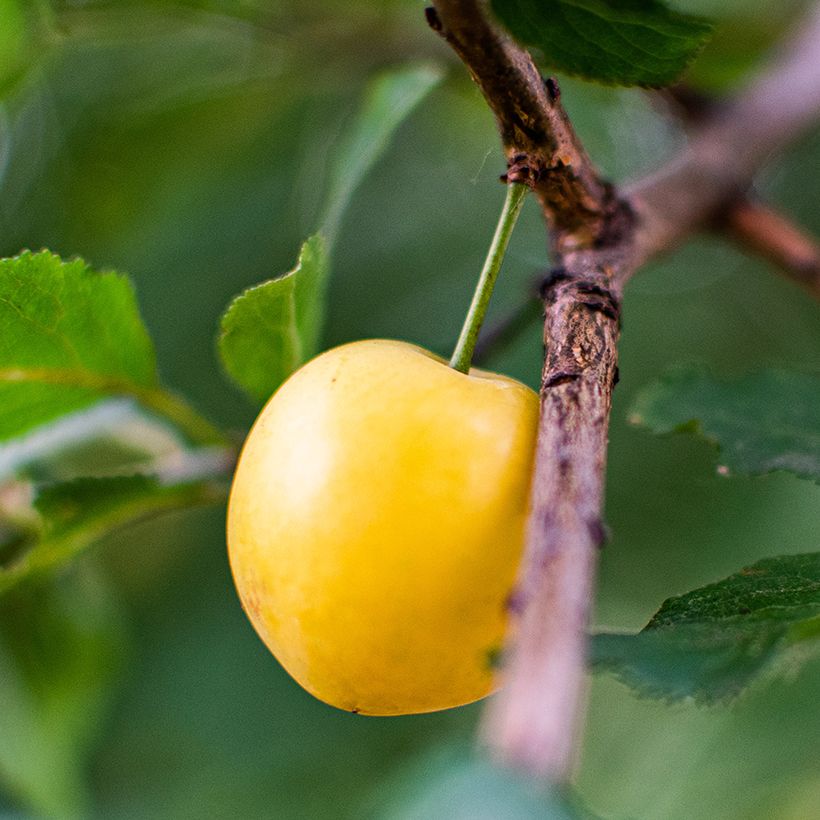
(467, 786)
(65, 519)
(61, 648)
(14, 41)
(167, 139)
(620, 42)
(744, 34)
(765, 421)
(68, 336)
(711, 643)
(273, 328)
(389, 99)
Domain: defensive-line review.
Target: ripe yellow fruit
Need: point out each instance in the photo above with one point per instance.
(376, 525)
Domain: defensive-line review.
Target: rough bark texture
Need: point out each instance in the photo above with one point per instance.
(565, 527)
(599, 237)
(541, 146)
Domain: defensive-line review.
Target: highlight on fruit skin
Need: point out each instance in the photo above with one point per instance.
(376, 525)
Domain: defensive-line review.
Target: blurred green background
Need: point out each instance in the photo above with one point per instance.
(186, 143)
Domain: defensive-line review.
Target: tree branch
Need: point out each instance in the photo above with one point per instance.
(756, 227)
(753, 225)
(730, 147)
(539, 141)
(598, 240)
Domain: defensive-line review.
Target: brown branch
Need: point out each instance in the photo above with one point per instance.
(753, 225)
(598, 240)
(533, 722)
(730, 147)
(756, 227)
(539, 141)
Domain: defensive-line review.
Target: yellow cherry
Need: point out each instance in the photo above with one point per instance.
(376, 525)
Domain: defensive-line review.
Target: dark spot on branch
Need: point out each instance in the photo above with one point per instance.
(515, 602)
(355, 710)
(619, 219)
(616, 376)
(603, 307)
(598, 532)
(553, 278)
(561, 378)
(495, 657)
(524, 169)
(591, 289)
(547, 520)
(603, 300)
(433, 20)
(553, 90)
(504, 178)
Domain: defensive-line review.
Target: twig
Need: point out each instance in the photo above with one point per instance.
(598, 240)
(753, 225)
(730, 147)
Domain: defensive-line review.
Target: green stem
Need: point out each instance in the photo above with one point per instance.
(463, 354)
(197, 428)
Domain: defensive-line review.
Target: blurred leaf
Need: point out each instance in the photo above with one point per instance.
(467, 786)
(389, 99)
(769, 420)
(744, 34)
(15, 42)
(67, 518)
(273, 328)
(69, 337)
(628, 42)
(711, 643)
(60, 652)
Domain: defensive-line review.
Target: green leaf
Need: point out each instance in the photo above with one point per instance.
(619, 42)
(714, 641)
(60, 653)
(459, 784)
(15, 43)
(69, 337)
(65, 333)
(271, 329)
(389, 99)
(765, 421)
(745, 34)
(65, 519)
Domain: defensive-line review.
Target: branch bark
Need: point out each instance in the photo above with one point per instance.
(541, 146)
(598, 239)
(751, 224)
(730, 147)
(761, 229)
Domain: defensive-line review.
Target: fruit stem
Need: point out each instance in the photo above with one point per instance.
(463, 354)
